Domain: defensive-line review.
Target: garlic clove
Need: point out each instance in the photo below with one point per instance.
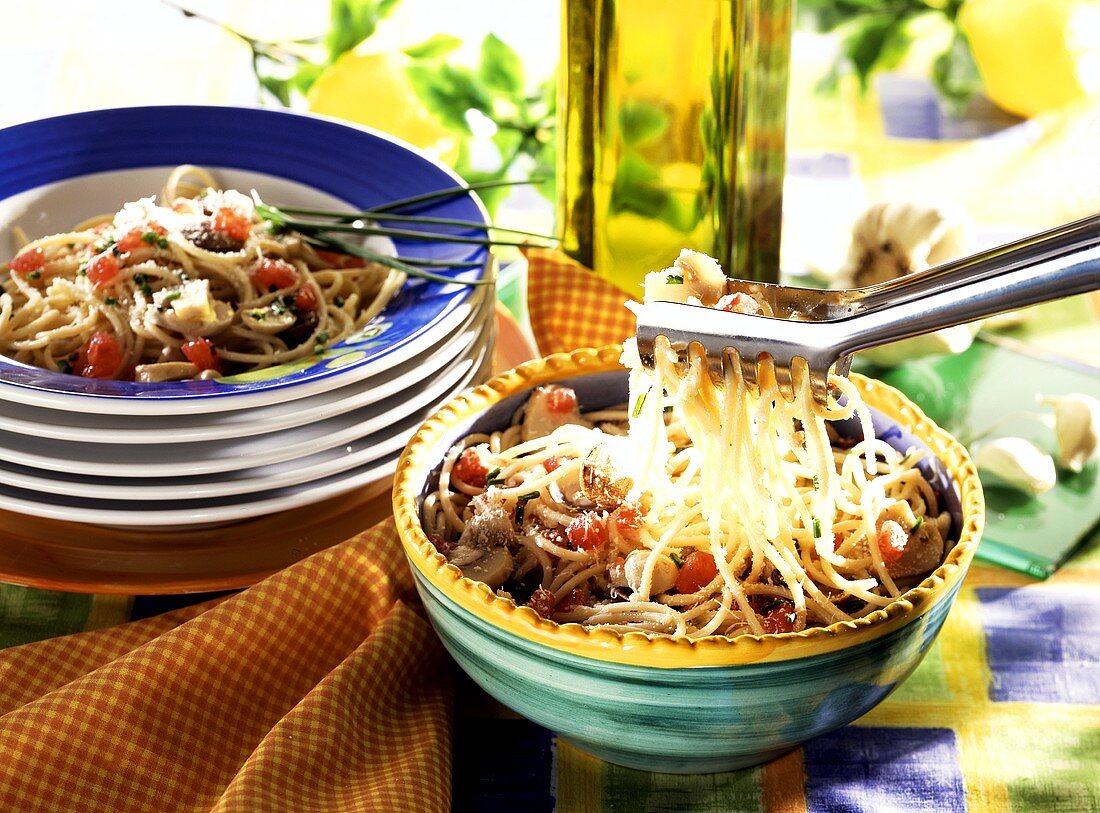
(1017, 463)
(1076, 428)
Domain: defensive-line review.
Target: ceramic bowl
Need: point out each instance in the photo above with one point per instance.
(58, 171)
(674, 705)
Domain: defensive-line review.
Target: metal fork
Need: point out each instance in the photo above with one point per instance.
(820, 330)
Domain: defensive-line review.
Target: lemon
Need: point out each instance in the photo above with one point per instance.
(1035, 55)
(373, 89)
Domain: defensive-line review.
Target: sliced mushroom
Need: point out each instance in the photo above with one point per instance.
(270, 320)
(664, 572)
(599, 482)
(702, 275)
(539, 420)
(165, 371)
(923, 552)
(205, 236)
(490, 524)
(493, 565)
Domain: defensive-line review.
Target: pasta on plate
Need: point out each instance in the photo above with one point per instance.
(702, 507)
(192, 286)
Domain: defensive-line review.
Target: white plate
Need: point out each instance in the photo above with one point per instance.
(404, 413)
(168, 429)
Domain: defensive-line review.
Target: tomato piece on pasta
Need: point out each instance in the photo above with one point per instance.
(892, 541)
(469, 469)
(103, 269)
(101, 357)
(233, 223)
(697, 572)
(587, 532)
(561, 401)
(273, 275)
(202, 354)
(628, 519)
(542, 602)
(27, 262)
(305, 299)
(337, 260)
(780, 618)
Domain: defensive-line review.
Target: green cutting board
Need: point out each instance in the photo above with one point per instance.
(988, 388)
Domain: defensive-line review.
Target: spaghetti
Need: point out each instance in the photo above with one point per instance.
(196, 286)
(703, 507)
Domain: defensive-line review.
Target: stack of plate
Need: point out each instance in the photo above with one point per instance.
(196, 452)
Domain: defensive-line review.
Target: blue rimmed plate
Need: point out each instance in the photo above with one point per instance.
(58, 171)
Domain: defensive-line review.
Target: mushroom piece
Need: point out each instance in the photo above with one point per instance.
(205, 236)
(702, 275)
(490, 565)
(165, 371)
(923, 552)
(539, 420)
(599, 482)
(664, 572)
(490, 524)
(270, 320)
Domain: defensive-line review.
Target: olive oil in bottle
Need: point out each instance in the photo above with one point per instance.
(671, 126)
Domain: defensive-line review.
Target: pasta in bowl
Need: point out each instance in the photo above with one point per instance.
(691, 693)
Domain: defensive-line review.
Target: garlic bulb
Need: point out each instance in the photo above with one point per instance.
(1076, 428)
(1017, 463)
(890, 240)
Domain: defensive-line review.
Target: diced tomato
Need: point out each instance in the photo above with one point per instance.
(587, 532)
(780, 618)
(101, 357)
(103, 269)
(628, 519)
(577, 597)
(135, 238)
(273, 275)
(542, 602)
(233, 223)
(202, 354)
(336, 260)
(551, 463)
(469, 469)
(561, 401)
(892, 541)
(305, 299)
(27, 262)
(738, 303)
(697, 572)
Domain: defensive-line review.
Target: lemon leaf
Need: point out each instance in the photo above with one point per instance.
(955, 74)
(437, 45)
(352, 21)
(500, 67)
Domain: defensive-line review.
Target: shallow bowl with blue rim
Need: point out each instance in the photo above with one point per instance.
(58, 171)
(655, 702)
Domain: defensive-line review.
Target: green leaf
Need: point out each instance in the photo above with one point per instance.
(278, 88)
(352, 21)
(641, 123)
(500, 68)
(448, 92)
(305, 76)
(876, 41)
(956, 75)
(435, 46)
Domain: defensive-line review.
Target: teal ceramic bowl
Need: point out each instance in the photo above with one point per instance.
(653, 702)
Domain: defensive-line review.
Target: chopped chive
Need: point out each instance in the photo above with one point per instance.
(493, 478)
(817, 482)
(916, 525)
(676, 558)
(675, 279)
(142, 282)
(520, 507)
(150, 237)
(638, 405)
(338, 302)
(530, 495)
(322, 337)
(34, 275)
(171, 296)
(817, 528)
(110, 301)
(278, 305)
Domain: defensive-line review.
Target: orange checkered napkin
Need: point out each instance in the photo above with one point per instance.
(319, 689)
(570, 307)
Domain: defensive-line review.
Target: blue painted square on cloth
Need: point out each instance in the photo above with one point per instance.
(860, 770)
(1042, 645)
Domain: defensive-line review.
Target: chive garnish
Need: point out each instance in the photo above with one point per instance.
(817, 482)
(530, 495)
(142, 282)
(171, 296)
(338, 302)
(676, 558)
(817, 528)
(110, 301)
(638, 405)
(493, 478)
(34, 275)
(917, 524)
(675, 279)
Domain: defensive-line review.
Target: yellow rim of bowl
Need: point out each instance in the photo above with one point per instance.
(641, 649)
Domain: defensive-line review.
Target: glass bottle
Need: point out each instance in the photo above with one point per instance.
(671, 133)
